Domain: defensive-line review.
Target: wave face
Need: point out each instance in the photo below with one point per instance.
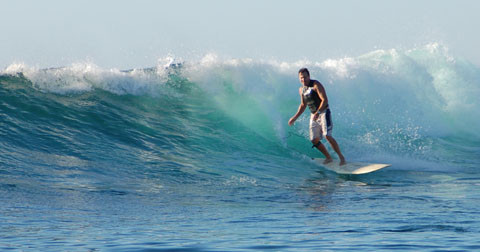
(186, 122)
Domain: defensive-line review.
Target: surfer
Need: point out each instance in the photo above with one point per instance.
(313, 95)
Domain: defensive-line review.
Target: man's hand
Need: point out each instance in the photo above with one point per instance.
(291, 121)
(315, 116)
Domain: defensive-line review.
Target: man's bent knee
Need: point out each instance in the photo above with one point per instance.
(316, 142)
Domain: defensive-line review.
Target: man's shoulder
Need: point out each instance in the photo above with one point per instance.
(316, 83)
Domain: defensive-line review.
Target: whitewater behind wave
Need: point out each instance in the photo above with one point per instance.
(399, 106)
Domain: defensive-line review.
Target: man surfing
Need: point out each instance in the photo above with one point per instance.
(313, 95)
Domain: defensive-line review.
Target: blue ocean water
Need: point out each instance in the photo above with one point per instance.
(198, 156)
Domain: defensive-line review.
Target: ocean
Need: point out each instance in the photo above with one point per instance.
(198, 156)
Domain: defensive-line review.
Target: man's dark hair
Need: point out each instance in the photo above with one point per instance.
(304, 70)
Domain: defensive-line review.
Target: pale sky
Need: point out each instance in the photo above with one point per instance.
(135, 34)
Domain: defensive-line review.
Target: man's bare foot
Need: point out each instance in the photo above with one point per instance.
(343, 162)
(327, 160)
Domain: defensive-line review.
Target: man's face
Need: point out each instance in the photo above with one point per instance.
(304, 78)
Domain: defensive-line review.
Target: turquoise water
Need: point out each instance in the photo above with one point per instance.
(197, 156)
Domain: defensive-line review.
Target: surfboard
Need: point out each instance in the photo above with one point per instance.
(350, 167)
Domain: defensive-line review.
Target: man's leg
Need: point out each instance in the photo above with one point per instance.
(336, 148)
(316, 142)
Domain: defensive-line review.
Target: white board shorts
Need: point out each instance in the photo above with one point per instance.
(322, 126)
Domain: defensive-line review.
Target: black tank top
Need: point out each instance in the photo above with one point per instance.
(311, 98)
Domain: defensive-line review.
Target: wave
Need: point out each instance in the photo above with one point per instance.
(416, 107)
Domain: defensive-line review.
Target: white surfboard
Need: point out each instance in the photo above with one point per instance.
(350, 167)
